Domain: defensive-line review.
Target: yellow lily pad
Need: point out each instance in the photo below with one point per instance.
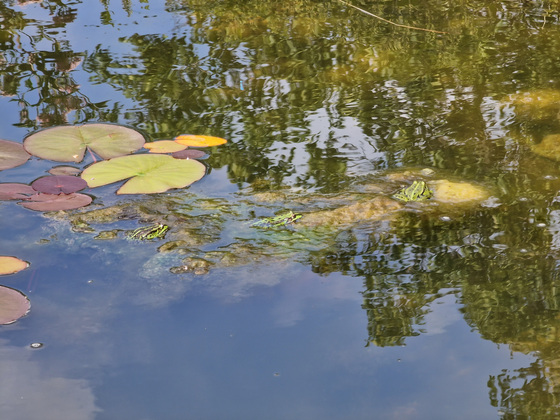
(11, 265)
(164, 146)
(199, 141)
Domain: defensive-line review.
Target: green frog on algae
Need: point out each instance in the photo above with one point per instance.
(281, 219)
(324, 216)
(418, 191)
(146, 233)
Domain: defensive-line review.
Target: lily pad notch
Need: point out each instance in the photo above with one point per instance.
(69, 143)
(146, 174)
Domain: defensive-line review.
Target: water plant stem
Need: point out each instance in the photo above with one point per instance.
(390, 22)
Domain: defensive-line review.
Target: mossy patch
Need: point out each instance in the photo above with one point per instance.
(537, 105)
(457, 192)
(549, 147)
(374, 209)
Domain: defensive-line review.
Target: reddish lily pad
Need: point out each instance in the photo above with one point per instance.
(53, 202)
(13, 305)
(59, 184)
(189, 154)
(69, 143)
(64, 170)
(11, 265)
(148, 174)
(15, 191)
(12, 154)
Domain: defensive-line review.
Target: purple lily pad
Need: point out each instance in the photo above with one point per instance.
(15, 191)
(59, 184)
(189, 154)
(12, 154)
(13, 305)
(53, 202)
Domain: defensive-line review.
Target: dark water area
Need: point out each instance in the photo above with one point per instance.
(443, 309)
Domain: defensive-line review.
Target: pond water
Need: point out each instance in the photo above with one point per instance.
(437, 310)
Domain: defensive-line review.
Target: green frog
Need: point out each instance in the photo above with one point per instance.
(418, 191)
(281, 219)
(144, 233)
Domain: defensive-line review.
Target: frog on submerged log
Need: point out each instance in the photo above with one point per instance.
(418, 191)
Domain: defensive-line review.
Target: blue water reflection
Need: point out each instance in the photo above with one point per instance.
(396, 320)
(289, 346)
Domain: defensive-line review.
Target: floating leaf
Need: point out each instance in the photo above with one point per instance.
(189, 154)
(53, 202)
(11, 265)
(148, 173)
(199, 141)
(13, 305)
(12, 154)
(64, 170)
(59, 184)
(69, 143)
(164, 146)
(15, 191)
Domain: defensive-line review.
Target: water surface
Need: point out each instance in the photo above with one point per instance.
(442, 312)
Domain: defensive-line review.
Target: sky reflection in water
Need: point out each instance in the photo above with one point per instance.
(411, 319)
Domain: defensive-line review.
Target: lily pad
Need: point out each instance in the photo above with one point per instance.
(12, 154)
(69, 143)
(11, 265)
(64, 170)
(54, 202)
(59, 184)
(164, 146)
(148, 173)
(199, 141)
(189, 154)
(15, 191)
(13, 305)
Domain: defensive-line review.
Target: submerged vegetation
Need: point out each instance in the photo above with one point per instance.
(328, 119)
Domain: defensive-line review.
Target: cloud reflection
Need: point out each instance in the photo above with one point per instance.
(26, 392)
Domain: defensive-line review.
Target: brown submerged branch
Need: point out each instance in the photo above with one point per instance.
(392, 23)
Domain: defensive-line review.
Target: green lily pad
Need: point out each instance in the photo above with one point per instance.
(148, 173)
(13, 305)
(12, 154)
(69, 143)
